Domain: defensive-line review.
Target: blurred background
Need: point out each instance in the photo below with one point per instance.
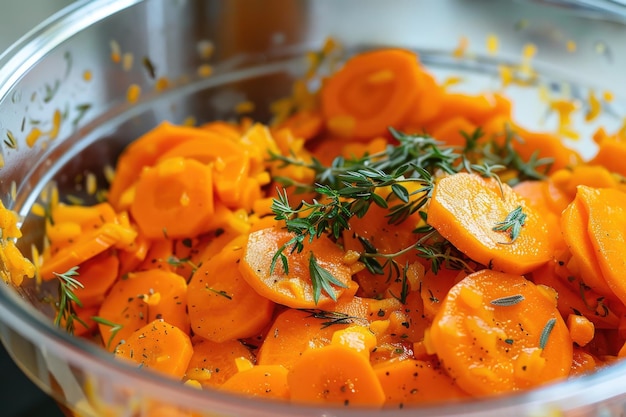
(18, 396)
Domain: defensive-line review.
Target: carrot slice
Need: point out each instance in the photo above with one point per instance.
(142, 297)
(213, 363)
(413, 381)
(296, 288)
(174, 199)
(231, 164)
(498, 332)
(97, 275)
(574, 228)
(335, 374)
(374, 89)
(607, 231)
(90, 244)
(466, 209)
(145, 151)
(159, 346)
(222, 306)
(265, 381)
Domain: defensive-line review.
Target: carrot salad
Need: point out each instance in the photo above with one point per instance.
(385, 243)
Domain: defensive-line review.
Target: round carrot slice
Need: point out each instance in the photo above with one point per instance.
(489, 223)
(295, 288)
(335, 374)
(374, 90)
(174, 199)
(498, 332)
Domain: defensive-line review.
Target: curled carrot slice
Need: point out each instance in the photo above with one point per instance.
(373, 90)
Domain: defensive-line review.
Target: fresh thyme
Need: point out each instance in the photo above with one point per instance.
(508, 301)
(404, 287)
(512, 224)
(333, 317)
(66, 313)
(545, 333)
(114, 328)
(400, 180)
(321, 279)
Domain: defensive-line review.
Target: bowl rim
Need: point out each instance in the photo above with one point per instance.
(584, 391)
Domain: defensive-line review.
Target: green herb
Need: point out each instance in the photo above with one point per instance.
(149, 66)
(10, 140)
(508, 341)
(404, 292)
(333, 317)
(508, 301)
(82, 110)
(51, 91)
(221, 293)
(321, 280)
(545, 333)
(180, 262)
(114, 327)
(66, 313)
(512, 224)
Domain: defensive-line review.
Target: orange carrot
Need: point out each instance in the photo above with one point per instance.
(606, 209)
(294, 289)
(374, 90)
(580, 328)
(222, 306)
(413, 381)
(265, 381)
(467, 210)
(335, 374)
(174, 199)
(213, 363)
(142, 297)
(145, 151)
(158, 346)
(498, 332)
(97, 275)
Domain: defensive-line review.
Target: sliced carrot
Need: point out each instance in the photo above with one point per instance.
(574, 227)
(140, 298)
(453, 131)
(213, 363)
(231, 164)
(265, 381)
(304, 124)
(159, 346)
(611, 154)
(466, 208)
(583, 363)
(498, 332)
(435, 287)
(293, 332)
(294, 289)
(159, 256)
(97, 275)
(607, 230)
(174, 199)
(88, 245)
(428, 105)
(375, 90)
(335, 374)
(222, 305)
(411, 381)
(145, 151)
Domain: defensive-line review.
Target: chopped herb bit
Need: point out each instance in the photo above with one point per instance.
(321, 280)
(333, 317)
(149, 66)
(82, 110)
(508, 301)
(115, 328)
(51, 91)
(512, 224)
(221, 293)
(10, 140)
(545, 333)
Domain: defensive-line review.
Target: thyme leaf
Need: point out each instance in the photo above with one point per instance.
(508, 301)
(545, 333)
(66, 313)
(512, 224)
(114, 328)
(322, 280)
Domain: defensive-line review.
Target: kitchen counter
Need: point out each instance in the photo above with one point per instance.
(18, 395)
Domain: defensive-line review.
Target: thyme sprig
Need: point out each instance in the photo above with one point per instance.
(400, 180)
(334, 317)
(66, 313)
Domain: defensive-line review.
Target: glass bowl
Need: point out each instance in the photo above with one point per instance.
(84, 83)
